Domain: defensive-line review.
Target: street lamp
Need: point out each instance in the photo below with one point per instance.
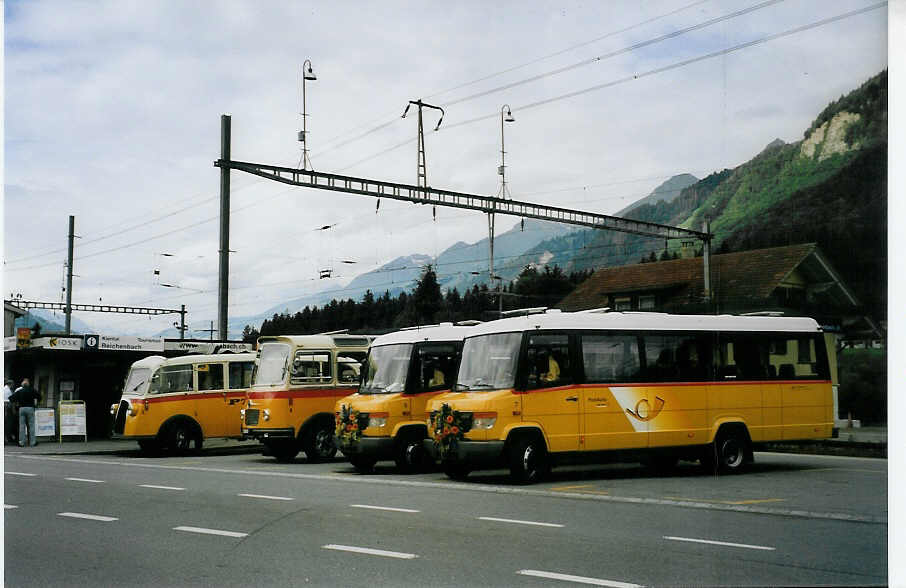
(506, 115)
(307, 74)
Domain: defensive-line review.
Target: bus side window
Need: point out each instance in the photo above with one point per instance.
(210, 376)
(311, 367)
(349, 366)
(548, 361)
(611, 358)
(743, 357)
(241, 374)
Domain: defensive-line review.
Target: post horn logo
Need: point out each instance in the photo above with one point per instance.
(643, 410)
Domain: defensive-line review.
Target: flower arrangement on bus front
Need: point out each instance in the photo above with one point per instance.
(349, 425)
(449, 426)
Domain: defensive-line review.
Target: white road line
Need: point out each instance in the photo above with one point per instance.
(267, 497)
(724, 543)
(85, 480)
(90, 517)
(156, 487)
(204, 531)
(520, 522)
(369, 551)
(577, 579)
(9, 506)
(383, 508)
(21, 474)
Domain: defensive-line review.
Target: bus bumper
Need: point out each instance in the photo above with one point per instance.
(267, 434)
(474, 453)
(377, 448)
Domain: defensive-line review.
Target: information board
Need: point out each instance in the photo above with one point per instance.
(72, 418)
(45, 423)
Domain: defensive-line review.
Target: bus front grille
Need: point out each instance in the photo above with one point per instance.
(251, 416)
(119, 425)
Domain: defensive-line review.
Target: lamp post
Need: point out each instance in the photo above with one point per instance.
(506, 115)
(307, 74)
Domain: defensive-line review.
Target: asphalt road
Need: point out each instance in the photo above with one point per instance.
(245, 520)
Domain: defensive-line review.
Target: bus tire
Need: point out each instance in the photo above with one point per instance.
(528, 460)
(283, 451)
(456, 471)
(318, 444)
(410, 454)
(731, 452)
(362, 465)
(182, 435)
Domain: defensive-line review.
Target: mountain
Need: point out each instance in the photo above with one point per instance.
(668, 192)
(55, 322)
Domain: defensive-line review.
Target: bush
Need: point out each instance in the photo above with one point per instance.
(863, 385)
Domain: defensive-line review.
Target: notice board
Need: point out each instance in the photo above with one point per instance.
(72, 418)
(45, 423)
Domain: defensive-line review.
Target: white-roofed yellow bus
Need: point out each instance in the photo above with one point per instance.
(541, 389)
(298, 380)
(179, 402)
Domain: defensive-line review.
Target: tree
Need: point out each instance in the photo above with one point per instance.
(427, 299)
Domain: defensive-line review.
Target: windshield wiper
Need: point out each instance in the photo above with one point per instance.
(137, 385)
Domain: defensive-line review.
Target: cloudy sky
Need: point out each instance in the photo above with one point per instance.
(112, 114)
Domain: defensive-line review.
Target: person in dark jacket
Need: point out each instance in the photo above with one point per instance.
(27, 398)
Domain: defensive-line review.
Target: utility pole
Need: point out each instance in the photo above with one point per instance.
(422, 167)
(503, 194)
(69, 276)
(223, 282)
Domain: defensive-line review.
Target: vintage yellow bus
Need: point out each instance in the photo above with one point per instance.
(536, 390)
(384, 419)
(177, 403)
(298, 380)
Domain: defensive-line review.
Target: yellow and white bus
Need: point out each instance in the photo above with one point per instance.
(179, 402)
(385, 418)
(298, 380)
(537, 390)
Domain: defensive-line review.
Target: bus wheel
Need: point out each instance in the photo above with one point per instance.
(528, 460)
(362, 465)
(456, 471)
(318, 445)
(182, 437)
(410, 455)
(731, 452)
(283, 450)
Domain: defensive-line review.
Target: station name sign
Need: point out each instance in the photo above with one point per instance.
(62, 343)
(123, 343)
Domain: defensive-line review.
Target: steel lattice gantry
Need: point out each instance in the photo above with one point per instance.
(434, 196)
(26, 304)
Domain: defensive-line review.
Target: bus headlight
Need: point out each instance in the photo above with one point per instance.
(241, 415)
(377, 419)
(113, 409)
(133, 409)
(484, 420)
(266, 413)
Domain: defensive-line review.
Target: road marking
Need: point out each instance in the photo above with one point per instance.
(156, 487)
(369, 551)
(847, 470)
(21, 474)
(752, 501)
(383, 508)
(204, 531)
(90, 517)
(85, 480)
(578, 579)
(489, 489)
(724, 543)
(9, 506)
(561, 488)
(266, 497)
(520, 522)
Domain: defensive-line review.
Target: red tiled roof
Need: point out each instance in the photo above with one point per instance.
(745, 275)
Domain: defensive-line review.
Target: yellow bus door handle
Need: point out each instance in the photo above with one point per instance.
(572, 399)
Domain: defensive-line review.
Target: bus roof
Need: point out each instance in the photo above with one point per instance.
(319, 341)
(655, 321)
(152, 361)
(209, 358)
(441, 332)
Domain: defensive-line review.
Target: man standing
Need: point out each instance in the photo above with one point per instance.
(27, 398)
(9, 417)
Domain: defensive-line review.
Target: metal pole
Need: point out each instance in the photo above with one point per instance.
(304, 125)
(182, 322)
(223, 284)
(69, 277)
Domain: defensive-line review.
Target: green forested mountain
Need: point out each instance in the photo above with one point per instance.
(829, 188)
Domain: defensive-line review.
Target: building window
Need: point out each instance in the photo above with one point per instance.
(624, 303)
(647, 302)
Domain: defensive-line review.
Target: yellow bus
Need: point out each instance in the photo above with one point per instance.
(177, 403)
(385, 418)
(298, 380)
(536, 390)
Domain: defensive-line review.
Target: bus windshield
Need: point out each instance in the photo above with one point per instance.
(386, 369)
(273, 361)
(137, 382)
(488, 362)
